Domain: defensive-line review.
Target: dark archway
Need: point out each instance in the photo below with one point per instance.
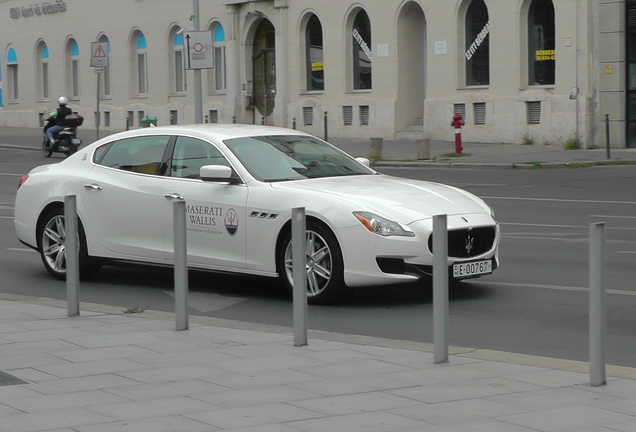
(264, 68)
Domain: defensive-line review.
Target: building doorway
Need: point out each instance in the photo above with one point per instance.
(264, 70)
(411, 47)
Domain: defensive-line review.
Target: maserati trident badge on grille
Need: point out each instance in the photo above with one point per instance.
(469, 243)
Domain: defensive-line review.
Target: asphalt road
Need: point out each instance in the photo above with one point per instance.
(535, 303)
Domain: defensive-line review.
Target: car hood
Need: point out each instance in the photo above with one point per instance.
(403, 200)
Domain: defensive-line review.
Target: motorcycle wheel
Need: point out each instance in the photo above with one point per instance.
(46, 151)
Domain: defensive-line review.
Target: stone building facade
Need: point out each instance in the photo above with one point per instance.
(541, 71)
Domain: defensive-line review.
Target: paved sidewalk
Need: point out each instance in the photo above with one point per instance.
(107, 371)
(404, 152)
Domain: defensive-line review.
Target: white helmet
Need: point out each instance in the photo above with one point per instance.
(62, 100)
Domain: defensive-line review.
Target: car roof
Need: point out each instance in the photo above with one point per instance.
(220, 131)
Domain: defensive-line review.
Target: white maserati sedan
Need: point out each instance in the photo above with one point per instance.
(240, 184)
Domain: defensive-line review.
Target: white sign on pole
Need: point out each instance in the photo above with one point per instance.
(200, 50)
(99, 54)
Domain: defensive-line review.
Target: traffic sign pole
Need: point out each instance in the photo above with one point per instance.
(99, 61)
(198, 98)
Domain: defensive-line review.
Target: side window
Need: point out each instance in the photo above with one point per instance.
(190, 154)
(141, 155)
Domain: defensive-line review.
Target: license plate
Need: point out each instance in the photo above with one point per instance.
(472, 269)
(76, 141)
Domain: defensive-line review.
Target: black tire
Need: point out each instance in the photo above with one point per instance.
(52, 248)
(47, 152)
(72, 148)
(325, 268)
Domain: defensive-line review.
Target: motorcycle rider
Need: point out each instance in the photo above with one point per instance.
(60, 119)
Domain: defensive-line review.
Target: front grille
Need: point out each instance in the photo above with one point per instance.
(468, 242)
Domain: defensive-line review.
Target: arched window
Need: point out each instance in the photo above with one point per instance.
(541, 44)
(477, 52)
(42, 57)
(216, 76)
(219, 58)
(314, 60)
(177, 60)
(12, 75)
(139, 60)
(105, 84)
(72, 69)
(361, 34)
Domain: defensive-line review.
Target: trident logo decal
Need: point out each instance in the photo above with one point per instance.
(469, 243)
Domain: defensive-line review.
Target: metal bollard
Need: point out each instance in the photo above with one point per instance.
(71, 242)
(294, 123)
(597, 304)
(300, 275)
(180, 265)
(326, 129)
(607, 135)
(440, 289)
(423, 148)
(375, 152)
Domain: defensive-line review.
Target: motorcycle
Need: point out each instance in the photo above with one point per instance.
(66, 140)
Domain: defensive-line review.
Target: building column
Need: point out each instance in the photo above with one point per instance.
(232, 71)
(282, 86)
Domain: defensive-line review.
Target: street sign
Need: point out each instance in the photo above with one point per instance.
(99, 54)
(200, 50)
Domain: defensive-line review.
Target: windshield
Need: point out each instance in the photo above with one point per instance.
(293, 157)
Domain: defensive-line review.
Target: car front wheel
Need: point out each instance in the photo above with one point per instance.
(323, 265)
(52, 246)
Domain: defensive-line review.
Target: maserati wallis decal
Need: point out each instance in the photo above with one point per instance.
(203, 218)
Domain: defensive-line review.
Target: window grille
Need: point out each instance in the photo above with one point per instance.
(174, 118)
(364, 115)
(631, 17)
(130, 119)
(107, 118)
(534, 112)
(308, 116)
(347, 115)
(460, 108)
(479, 113)
(214, 116)
(140, 115)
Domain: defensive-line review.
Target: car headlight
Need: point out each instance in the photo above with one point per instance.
(492, 214)
(381, 226)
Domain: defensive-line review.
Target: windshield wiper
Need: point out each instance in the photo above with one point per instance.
(273, 180)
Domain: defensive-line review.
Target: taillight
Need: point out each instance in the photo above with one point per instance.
(22, 180)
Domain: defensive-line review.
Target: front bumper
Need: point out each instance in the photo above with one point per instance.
(374, 260)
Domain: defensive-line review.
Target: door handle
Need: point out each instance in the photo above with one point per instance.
(93, 187)
(174, 196)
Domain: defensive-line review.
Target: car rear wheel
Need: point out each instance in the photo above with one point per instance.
(52, 246)
(324, 266)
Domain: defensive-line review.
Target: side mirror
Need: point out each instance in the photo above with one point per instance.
(364, 161)
(218, 173)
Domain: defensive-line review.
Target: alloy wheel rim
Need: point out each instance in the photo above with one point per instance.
(318, 263)
(54, 244)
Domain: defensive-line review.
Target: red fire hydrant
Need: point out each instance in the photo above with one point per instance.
(457, 123)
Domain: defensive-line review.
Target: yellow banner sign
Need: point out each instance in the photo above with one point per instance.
(545, 55)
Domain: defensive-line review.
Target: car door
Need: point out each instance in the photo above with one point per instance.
(215, 211)
(121, 200)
